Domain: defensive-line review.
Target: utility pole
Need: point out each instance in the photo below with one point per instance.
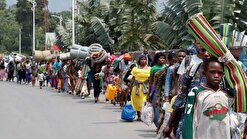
(46, 18)
(19, 40)
(33, 8)
(46, 15)
(73, 22)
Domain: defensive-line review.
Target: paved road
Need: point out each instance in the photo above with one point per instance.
(28, 112)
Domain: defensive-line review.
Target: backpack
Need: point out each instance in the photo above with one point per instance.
(187, 61)
(189, 77)
(127, 73)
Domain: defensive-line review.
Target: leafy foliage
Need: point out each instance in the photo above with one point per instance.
(241, 15)
(2, 4)
(8, 30)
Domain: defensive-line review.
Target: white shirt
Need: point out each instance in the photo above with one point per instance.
(194, 60)
(28, 65)
(40, 77)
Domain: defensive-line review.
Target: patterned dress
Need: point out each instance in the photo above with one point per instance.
(155, 92)
(108, 72)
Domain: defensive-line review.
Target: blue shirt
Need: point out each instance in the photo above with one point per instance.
(57, 65)
(168, 79)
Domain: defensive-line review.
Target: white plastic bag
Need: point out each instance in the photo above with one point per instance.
(167, 114)
(147, 113)
(237, 123)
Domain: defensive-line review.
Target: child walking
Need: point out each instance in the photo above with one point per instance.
(40, 78)
(207, 106)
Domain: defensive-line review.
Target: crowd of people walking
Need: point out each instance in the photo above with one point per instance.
(186, 90)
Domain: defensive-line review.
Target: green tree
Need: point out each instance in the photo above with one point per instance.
(2, 4)
(240, 15)
(90, 26)
(171, 30)
(9, 30)
(136, 15)
(24, 16)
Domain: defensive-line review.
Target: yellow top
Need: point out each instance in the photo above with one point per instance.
(141, 75)
(172, 102)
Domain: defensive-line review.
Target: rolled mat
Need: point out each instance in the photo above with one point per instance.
(234, 74)
(79, 52)
(225, 30)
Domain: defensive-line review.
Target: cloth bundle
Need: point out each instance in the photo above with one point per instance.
(97, 53)
(234, 74)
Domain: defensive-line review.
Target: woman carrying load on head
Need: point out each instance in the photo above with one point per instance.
(139, 84)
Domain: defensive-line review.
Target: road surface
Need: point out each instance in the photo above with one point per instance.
(28, 112)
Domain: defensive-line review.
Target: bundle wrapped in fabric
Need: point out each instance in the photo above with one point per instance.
(18, 57)
(97, 53)
(235, 77)
(225, 31)
(50, 57)
(41, 55)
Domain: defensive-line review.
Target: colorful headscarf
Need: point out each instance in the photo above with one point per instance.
(140, 57)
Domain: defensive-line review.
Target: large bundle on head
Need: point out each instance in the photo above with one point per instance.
(41, 55)
(50, 57)
(78, 52)
(64, 56)
(1, 56)
(18, 57)
(97, 53)
(234, 74)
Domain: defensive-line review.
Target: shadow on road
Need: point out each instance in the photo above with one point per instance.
(146, 133)
(105, 123)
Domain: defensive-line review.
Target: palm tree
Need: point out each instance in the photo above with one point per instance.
(171, 29)
(240, 14)
(90, 26)
(137, 16)
(171, 32)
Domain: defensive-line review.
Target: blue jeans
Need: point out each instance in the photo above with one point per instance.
(179, 102)
(65, 85)
(180, 127)
(156, 108)
(28, 76)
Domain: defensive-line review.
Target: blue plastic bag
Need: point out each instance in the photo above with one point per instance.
(128, 113)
